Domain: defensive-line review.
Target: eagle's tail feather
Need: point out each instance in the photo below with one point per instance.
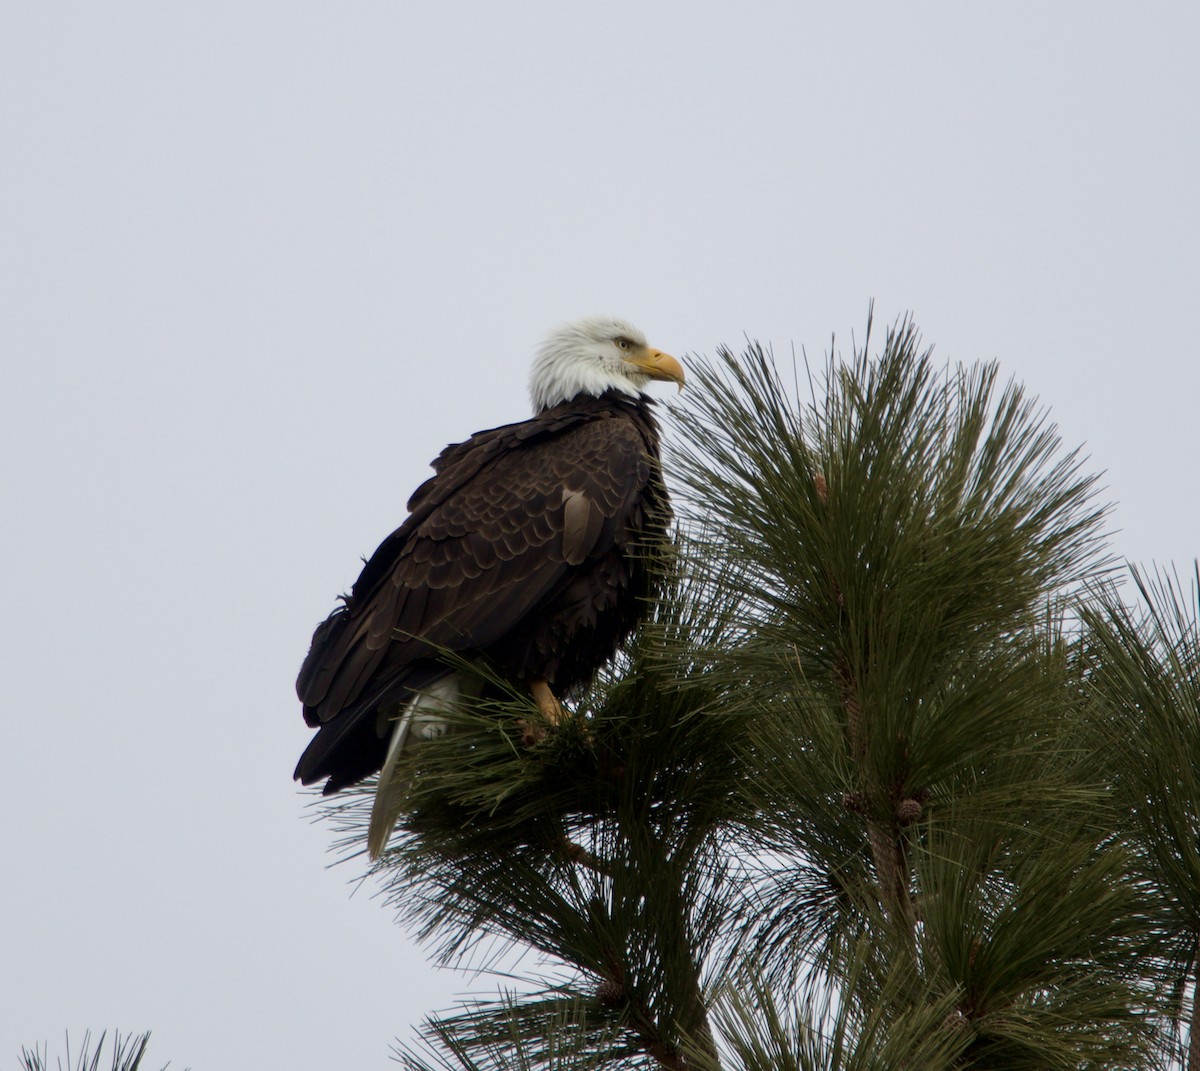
(423, 716)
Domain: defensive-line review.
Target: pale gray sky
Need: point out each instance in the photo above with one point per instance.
(260, 261)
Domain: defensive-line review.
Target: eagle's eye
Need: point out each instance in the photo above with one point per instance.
(623, 343)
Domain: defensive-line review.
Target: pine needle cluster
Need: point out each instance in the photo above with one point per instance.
(126, 1053)
(888, 778)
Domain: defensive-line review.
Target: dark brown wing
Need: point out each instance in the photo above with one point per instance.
(503, 526)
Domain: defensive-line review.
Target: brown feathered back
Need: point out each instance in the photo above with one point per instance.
(527, 546)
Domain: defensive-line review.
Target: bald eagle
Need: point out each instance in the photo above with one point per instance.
(527, 548)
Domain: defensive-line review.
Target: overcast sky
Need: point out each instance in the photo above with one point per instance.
(260, 261)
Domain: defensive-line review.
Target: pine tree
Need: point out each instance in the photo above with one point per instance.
(853, 797)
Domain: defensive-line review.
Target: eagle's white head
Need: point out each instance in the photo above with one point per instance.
(592, 356)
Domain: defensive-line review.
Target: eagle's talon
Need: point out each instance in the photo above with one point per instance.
(531, 734)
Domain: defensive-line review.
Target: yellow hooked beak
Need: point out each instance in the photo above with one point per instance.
(657, 365)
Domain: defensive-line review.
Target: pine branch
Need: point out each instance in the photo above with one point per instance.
(910, 537)
(1144, 680)
(1193, 1025)
(885, 838)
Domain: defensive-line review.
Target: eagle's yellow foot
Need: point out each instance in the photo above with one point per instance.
(548, 704)
(552, 712)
